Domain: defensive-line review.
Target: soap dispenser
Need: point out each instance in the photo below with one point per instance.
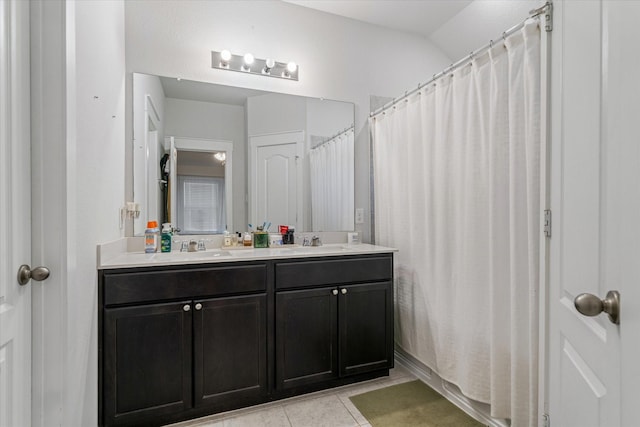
(165, 237)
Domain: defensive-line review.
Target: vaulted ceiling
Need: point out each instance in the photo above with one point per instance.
(455, 26)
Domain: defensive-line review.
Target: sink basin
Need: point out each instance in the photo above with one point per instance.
(216, 253)
(319, 249)
(198, 254)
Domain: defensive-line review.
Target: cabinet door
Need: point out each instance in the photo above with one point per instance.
(230, 349)
(147, 361)
(306, 337)
(366, 327)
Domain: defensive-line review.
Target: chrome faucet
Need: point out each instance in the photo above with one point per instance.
(315, 241)
(305, 241)
(191, 245)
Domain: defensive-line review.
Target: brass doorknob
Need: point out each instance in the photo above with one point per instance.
(25, 273)
(591, 305)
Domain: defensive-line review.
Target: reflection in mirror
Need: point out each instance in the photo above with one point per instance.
(199, 185)
(292, 157)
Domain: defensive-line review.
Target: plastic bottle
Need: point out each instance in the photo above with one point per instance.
(165, 237)
(151, 237)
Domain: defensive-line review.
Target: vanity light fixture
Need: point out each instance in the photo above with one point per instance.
(268, 65)
(220, 156)
(248, 60)
(247, 63)
(291, 68)
(225, 57)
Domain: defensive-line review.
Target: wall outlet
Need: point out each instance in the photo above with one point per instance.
(353, 238)
(360, 216)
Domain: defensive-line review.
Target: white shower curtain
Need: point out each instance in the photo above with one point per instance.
(457, 191)
(332, 191)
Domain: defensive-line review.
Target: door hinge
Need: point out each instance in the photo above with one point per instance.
(547, 222)
(546, 420)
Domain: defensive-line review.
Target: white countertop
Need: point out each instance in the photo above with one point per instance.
(114, 255)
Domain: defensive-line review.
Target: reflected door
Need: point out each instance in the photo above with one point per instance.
(276, 179)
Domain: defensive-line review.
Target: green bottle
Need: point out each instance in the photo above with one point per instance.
(165, 238)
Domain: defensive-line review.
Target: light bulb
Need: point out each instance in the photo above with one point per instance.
(292, 67)
(225, 55)
(268, 65)
(248, 58)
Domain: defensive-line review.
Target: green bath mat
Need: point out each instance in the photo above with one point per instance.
(410, 404)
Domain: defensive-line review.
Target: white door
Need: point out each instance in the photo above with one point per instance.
(594, 378)
(276, 179)
(15, 215)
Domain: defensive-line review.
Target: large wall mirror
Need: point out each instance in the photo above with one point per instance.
(209, 158)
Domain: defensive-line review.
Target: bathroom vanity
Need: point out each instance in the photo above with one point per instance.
(183, 335)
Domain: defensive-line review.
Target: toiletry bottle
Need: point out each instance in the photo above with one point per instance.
(226, 239)
(165, 238)
(246, 240)
(151, 237)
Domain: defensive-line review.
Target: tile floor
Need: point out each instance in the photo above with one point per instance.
(327, 408)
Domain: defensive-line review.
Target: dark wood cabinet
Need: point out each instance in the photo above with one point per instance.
(230, 349)
(334, 318)
(179, 342)
(306, 337)
(331, 332)
(147, 361)
(365, 314)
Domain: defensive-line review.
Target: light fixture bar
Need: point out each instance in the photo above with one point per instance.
(259, 66)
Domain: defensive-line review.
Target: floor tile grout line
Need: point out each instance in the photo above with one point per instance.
(341, 392)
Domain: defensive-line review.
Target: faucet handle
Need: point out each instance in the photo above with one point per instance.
(305, 241)
(184, 246)
(201, 246)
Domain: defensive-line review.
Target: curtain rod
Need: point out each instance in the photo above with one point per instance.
(333, 137)
(545, 9)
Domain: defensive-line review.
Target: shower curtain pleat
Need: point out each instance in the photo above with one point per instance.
(332, 181)
(457, 191)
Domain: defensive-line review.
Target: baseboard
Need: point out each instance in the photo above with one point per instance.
(477, 410)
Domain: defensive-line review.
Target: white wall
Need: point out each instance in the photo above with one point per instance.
(275, 113)
(95, 191)
(339, 58)
(326, 119)
(209, 120)
(481, 21)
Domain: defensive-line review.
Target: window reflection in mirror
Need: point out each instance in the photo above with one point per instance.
(201, 197)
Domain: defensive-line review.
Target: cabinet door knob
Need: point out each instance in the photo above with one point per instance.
(198, 306)
(186, 307)
(335, 292)
(343, 290)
